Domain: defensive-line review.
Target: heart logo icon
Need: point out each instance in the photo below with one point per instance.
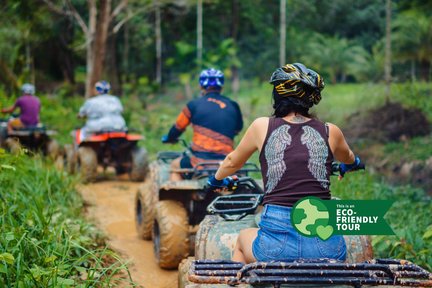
(324, 232)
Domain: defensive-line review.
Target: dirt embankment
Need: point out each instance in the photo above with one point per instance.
(112, 209)
(391, 123)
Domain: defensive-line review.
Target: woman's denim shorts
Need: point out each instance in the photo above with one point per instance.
(277, 240)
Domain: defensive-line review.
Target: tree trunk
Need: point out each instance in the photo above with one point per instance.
(100, 41)
(7, 76)
(425, 70)
(96, 33)
(158, 35)
(282, 28)
(413, 71)
(235, 80)
(89, 46)
(199, 33)
(65, 56)
(388, 66)
(126, 54)
(112, 70)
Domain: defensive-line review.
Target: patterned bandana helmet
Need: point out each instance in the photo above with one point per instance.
(299, 82)
(211, 78)
(28, 88)
(102, 87)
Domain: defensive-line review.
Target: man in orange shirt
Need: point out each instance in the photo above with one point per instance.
(215, 120)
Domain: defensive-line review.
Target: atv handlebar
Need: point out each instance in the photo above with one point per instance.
(181, 140)
(336, 169)
(236, 206)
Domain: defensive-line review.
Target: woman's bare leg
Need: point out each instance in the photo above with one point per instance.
(175, 164)
(243, 249)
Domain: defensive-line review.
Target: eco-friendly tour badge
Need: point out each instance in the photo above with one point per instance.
(313, 217)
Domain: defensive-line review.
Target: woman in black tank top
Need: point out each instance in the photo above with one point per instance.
(296, 152)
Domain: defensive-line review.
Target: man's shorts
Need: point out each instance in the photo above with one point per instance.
(16, 123)
(185, 163)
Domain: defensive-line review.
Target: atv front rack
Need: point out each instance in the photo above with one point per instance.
(321, 272)
(234, 207)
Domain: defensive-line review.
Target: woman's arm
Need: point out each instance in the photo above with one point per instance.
(339, 146)
(251, 141)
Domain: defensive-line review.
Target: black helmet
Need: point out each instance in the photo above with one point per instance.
(295, 80)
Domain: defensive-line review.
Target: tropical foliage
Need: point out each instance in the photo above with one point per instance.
(45, 242)
(342, 39)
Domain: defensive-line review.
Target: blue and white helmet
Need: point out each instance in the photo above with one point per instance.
(211, 78)
(102, 87)
(28, 88)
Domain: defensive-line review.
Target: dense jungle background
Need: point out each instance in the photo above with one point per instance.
(375, 57)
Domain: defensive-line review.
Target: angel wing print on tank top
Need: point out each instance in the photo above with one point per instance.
(274, 154)
(318, 153)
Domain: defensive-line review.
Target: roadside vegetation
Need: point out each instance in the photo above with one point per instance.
(409, 216)
(45, 241)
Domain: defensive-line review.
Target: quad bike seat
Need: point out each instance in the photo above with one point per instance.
(103, 136)
(30, 130)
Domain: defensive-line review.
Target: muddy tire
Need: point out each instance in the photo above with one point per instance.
(183, 272)
(359, 248)
(144, 211)
(70, 159)
(55, 152)
(170, 234)
(59, 163)
(139, 166)
(87, 163)
(53, 149)
(3, 135)
(13, 145)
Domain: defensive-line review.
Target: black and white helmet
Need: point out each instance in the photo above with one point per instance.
(295, 80)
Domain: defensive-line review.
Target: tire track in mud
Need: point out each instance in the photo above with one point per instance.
(112, 208)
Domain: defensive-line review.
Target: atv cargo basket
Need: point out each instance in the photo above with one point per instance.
(376, 272)
(235, 207)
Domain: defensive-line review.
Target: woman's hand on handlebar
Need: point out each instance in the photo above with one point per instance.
(215, 185)
(345, 168)
(165, 139)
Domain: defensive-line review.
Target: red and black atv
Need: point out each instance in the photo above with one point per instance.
(118, 149)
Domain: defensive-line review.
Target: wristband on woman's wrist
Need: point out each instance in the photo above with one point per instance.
(355, 164)
(215, 181)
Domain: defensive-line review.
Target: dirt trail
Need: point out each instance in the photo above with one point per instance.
(112, 208)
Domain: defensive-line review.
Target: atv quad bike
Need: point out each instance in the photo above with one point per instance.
(169, 211)
(117, 149)
(35, 138)
(217, 236)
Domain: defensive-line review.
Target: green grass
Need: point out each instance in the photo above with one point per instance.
(419, 148)
(409, 216)
(45, 241)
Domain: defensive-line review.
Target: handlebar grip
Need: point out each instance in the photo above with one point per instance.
(361, 166)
